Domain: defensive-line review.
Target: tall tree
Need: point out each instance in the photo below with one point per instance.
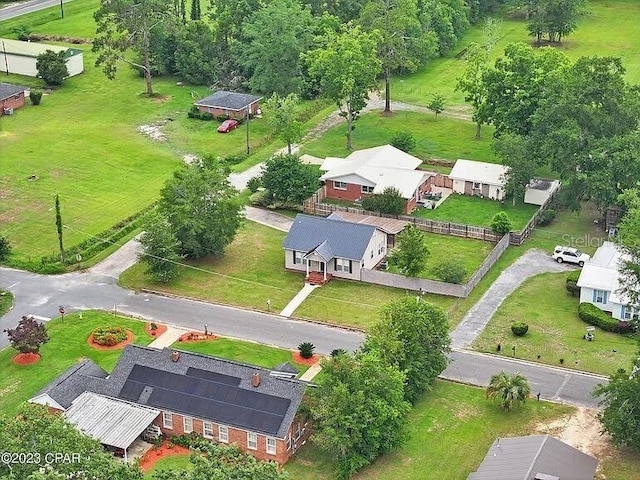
(513, 150)
(359, 410)
(404, 46)
(413, 336)
(159, 248)
(448, 19)
(59, 227)
(411, 253)
(125, 24)
(509, 390)
(202, 208)
(556, 18)
(288, 179)
(195, 10)
(280, 113)
(273, 39)
(346, 68)
(629, 234)
(28, 336)
(197, 59)
(52, 67)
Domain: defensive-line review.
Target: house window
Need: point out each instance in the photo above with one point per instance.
(339, 185)
(252, 441)
(271, 445)
(343, 265)
(224, 434)
(366, 189)
(297, 258)
(167, 420)
(188, 424)
(476, 185)
(600, 296)
(631, 313)
(207, 430)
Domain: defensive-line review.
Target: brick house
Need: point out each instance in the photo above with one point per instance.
(371, 171)
(222, 400)
(11, 97)
(230, 104)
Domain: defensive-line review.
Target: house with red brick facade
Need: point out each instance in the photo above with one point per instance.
(371, 171)
(11, 97)
(230, 104)
(224, 401)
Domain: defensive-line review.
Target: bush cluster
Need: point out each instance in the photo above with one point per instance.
(450, 271)
(547, 216)
(572, 283)
(198, 115)
(186, 440)
(594, 316)
(519, 329)
(403, 141)
(109, 336)
(35, 96)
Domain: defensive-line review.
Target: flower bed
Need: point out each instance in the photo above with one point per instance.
(150, 457)
(155, 332)
(128, 338)
(196, 337)
(26, 358)
(305, 361)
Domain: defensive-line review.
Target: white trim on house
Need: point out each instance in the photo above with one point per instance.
(207, 429)
(252, 441)
(223, 433)
(46, 400)
(167, 420)
(187, 424)
(271, 446)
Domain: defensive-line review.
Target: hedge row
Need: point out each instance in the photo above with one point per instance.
(594, 316)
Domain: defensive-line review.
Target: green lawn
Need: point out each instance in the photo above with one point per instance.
(467, 252)
(451, 428)
(240, 351)
(172, 462)
(446, 138)
(477, 211)
(610, 28)
(6, 301)
(555, 331)
(67, 345)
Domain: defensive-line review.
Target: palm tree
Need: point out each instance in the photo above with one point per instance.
(509, 389)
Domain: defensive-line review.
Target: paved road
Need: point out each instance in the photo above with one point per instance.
(17, 9)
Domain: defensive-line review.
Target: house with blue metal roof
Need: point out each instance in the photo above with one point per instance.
(325, 247)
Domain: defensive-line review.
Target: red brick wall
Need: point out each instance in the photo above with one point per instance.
(12, 102)
(233, 114)
(353, 191)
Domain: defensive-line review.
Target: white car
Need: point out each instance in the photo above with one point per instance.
(569, 255)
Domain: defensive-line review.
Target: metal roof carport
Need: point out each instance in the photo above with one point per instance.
(113, 422)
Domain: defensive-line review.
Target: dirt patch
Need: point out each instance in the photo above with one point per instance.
(158, 331)
(305, 361)
(26, 358)
(150, 458)
(191, 337)
(117, 346)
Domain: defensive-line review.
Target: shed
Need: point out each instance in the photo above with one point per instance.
(231, 104)
(480, 179)
(539, 190)
(20, 57)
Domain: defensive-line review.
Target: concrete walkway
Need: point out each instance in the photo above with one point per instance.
(298, 299)
(239, 180)
(269, 219)
(531, 263)
(168, 338)
(311, 373)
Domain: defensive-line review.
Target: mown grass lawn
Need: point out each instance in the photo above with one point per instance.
(468, 252)
(451, 428)
(6, 301)
(240, 351)
(172, 462)
(477, 211)
(555, 331)
(67, 345)
(446, 138)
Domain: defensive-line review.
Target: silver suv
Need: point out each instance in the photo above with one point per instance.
(569, 255)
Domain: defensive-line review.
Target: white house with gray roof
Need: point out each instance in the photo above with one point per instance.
(333, 247)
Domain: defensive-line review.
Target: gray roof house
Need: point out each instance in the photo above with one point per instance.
(232, 104)
(325, 247)
(8, 90)
(535, 457)
(181, 392)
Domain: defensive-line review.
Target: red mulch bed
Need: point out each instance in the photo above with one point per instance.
(149, 459)
(159, 331)
(305, 361)
(26, 358)
(97, 346)
(196, 337)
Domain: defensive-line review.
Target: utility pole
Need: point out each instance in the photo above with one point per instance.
(61, 9)
(248, 149)
(6, 63)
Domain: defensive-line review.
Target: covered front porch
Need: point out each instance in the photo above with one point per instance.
(316, 269)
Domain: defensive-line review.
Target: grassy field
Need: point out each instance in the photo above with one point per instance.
(477, 211)
(173, 462)
(555, 331)
(67, 345)
(451, 428)
(610, 28)
(245, 352)
(6, 301)
(446, 138)
(468, 252)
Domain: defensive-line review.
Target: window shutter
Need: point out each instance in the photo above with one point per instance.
(622, 312)
(594, 296)
(335, 264)
(350, 266)
(604, 297)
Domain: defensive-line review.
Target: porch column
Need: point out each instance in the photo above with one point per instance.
(307, 265)
(324, 271)
(125, 456)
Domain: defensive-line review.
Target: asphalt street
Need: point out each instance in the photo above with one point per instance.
(17, 9)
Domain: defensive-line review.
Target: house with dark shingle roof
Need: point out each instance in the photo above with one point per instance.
(231, 104)
(535, 457)
(222, 400)
(11, 97)
(331, 247)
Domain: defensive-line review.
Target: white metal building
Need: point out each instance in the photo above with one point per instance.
(20, 57)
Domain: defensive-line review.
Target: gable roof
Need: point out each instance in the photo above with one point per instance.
(33, 49)
(328, 237)
(524, 458)
(8, 90)
(378, 167)
(602, 272)
(228, 100)
(480, 172)
(390, 226)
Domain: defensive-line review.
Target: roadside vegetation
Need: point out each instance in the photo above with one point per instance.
(6, 301)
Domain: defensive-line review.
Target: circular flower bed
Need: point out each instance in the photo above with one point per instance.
(109, 336)
(26, 358)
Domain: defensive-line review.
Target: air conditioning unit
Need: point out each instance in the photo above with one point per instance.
(8, 111)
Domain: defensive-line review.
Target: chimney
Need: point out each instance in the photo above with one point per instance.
(255, 380)
(175, 356)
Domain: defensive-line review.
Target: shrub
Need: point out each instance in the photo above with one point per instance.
(198, 115)
(233, 159)
(306, 349)
(5, 248)
(547, 216)
(594, 316)
(403, 141)
(109, 336)
(450, 271)
(519, 329)
(186, 440)
(254, 183)
(35, 96)
(571, 283)
(501, 223)
(338, 351)
(153, 326)
(261, 198)
(23, 32)
(388, 202)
